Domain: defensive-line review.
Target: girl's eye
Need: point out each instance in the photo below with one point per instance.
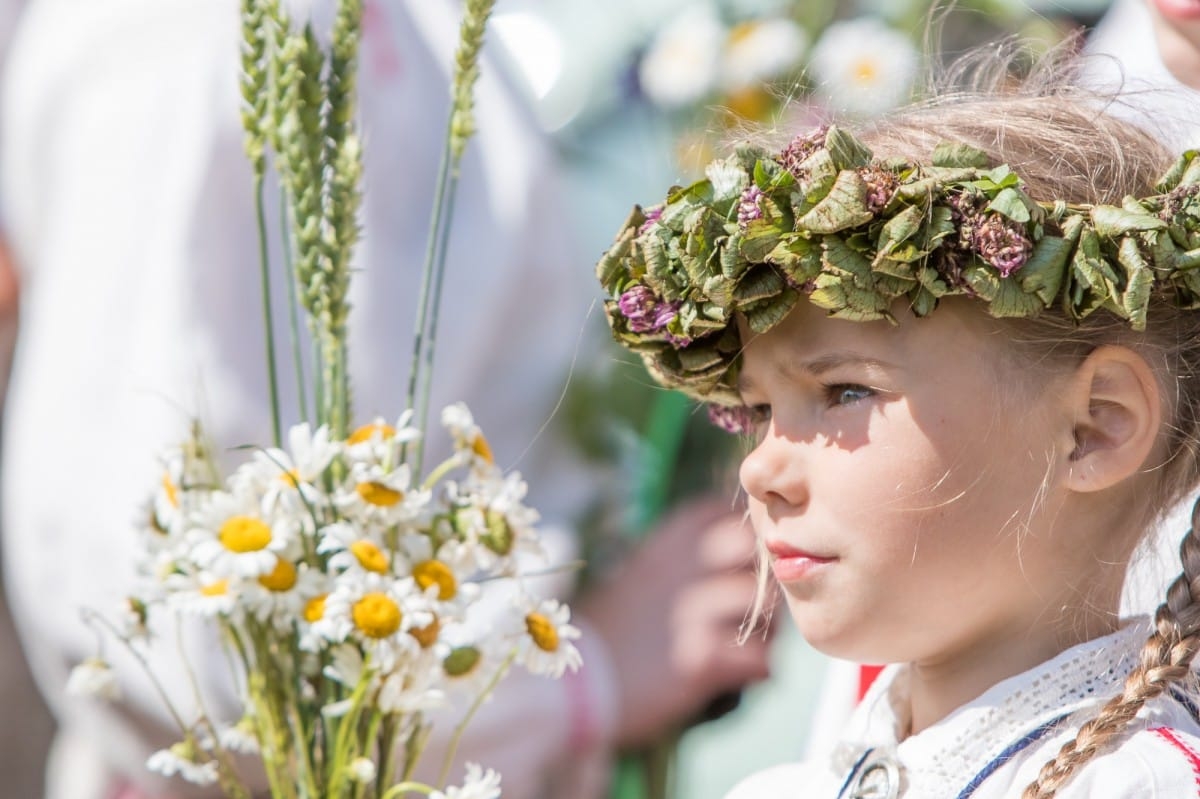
(846, 394)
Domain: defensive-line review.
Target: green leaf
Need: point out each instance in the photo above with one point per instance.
(613, 264)
(900, 228)
(758, 240)
(843, 208)
(761, 283)
(840, 257)
(799, 258)
(1042, 274)
(1175, 174)
(1136, 297)
(1113, 223)
(1011, 203)
(763, 316)
(957, 154)
(846, 151)
(922, 301)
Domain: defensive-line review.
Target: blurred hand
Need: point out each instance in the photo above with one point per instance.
(670, 618)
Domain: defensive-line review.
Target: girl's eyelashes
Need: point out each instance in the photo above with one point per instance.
(837, 394)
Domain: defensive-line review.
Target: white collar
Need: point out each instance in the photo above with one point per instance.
(944, 758)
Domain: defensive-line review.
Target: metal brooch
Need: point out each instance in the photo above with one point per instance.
(879, 778)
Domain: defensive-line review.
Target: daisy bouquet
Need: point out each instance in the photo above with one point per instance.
(338, 572)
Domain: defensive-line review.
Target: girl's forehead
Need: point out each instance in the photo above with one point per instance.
(810, 340)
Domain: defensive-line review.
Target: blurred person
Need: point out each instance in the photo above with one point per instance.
(128, 203)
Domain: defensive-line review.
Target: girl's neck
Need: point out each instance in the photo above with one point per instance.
(939, 686)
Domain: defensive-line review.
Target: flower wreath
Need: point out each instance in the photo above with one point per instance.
(826, 220)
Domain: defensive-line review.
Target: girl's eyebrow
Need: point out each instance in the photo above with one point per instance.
(815, 367)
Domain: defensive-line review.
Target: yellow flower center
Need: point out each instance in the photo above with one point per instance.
(542, 631)
(292, 478)
(866, 71)
(427, 636)
(370, 557)
(244, 534)
(434, 572)
(481, 448)
(170, 489)
(378, 494)
(365, 432)
(281, 578)
(376, 615)
(314, 609)
(219, 588)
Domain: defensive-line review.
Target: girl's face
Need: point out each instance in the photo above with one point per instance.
(1177, 29)
(903, 483)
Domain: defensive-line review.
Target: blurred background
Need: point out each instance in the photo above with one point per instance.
(638, 94)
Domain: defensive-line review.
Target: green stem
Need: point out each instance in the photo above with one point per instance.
(293, 303)
(435, 304)
(448, 760)
(264, 266)
(431, 261)
(395, 790)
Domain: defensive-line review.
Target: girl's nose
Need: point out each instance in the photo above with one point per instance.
(773, 472)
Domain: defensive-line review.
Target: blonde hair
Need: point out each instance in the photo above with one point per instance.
(1068, 144)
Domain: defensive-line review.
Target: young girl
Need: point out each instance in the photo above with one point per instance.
(972, 363)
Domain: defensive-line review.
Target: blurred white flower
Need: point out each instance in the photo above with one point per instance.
(93, 677)
(478, 785)
(683, 62)
(240, 738)
(761, 50)
(181, 759)
(361, 770)
(862, 66)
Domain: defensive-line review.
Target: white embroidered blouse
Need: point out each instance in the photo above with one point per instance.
(993, 746)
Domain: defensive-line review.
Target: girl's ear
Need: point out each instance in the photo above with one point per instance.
(1116, 408)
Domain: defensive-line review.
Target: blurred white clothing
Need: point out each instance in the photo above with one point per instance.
(129, 205)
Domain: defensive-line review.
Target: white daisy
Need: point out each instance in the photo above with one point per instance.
(761, 50)
(380, 442)
(230, 537)
(358, 549)
(203, 594)
(93, 677)
(544, 644)
(440, 575)
(377, 613)
(469, 440)
(478, 785)
(864, 67)
(375, 495)
(182, 759)
(289, 478)
(492, 520)
(682, 63)
(468, 668)
(282, 595)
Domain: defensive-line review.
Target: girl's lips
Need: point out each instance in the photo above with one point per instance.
(1179, 9)
(790, 564)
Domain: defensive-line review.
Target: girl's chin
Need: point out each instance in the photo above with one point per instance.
(1178, 10)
